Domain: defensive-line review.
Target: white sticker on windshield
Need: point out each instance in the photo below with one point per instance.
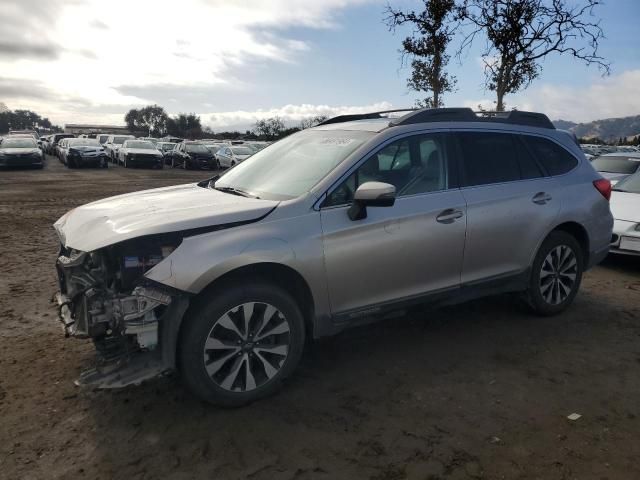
(338, 142)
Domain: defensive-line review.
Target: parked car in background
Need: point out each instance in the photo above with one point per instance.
(84, 152)
(214, 146)
(193, 155)
(113, 144)
(166, 148)
(33, 133)
(53, 143)
(625, 207)
(61, 149)
(172, 139)
(16, 151)
(256, 146)
(44, 143)
(616, 166)
(230, 156)
(149, 139)
(102, 138)
(357, 217)
(140, 153)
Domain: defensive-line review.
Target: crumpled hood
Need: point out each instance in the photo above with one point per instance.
(161, 210)
(625, 206)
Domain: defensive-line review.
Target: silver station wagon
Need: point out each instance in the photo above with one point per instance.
(225, 280)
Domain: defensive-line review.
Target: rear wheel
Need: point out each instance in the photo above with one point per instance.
(240, 344)
(556, 274)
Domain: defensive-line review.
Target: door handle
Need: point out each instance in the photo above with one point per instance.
(541, 198)
(449, 215)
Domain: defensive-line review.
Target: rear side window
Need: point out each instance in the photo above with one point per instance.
(555, 159)
(488, 158)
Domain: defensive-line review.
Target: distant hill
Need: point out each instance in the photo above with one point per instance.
(607, 129)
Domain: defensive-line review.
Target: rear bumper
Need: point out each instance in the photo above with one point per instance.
(597, 256)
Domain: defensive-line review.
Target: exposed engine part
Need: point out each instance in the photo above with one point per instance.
(98, 299)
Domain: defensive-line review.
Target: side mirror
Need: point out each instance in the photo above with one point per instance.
(371, 194)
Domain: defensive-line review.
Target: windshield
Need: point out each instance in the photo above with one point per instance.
(241, 151)
(292, 166)
(120, 140)
(103, 138)
(616, 165)
(83, 142)
(196, 148)
(630, 184)
(139, 144)
(167, 146)
(18, 143)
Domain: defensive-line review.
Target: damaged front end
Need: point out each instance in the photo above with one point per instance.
(132, 321)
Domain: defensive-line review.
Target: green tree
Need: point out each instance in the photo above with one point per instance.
(521, 33)
(185, 125)
(434, 27)
(312, 121)
(269, 128)
(152, 119)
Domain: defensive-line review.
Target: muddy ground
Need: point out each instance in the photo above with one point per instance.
(480, 390)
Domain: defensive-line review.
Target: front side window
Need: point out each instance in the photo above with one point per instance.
(414, 165)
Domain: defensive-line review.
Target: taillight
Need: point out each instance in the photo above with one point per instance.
(604, 187)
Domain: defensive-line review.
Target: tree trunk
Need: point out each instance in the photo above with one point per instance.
(500, 103)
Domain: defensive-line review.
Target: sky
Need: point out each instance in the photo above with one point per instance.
(236, 61)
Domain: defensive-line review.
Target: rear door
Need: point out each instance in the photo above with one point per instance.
(511, 204)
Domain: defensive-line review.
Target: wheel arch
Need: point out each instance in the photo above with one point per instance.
(578, 232)
(284, 276)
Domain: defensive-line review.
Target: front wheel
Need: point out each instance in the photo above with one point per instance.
(556, 274)
(240, 344)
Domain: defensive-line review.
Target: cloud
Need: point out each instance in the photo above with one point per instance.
(291, 114)
(114, 59)
(615, 96)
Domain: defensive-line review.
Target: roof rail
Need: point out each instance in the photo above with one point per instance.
(425, 115)
(362, 116)
(514, 117)
(517, 117)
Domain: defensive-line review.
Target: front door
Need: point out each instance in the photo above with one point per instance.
(400, 252)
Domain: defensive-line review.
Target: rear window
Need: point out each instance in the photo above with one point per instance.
(555, 159)
(622, 165)
(83, 142)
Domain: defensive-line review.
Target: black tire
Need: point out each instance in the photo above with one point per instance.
(548, 304)
(71, 163)
(199, 324)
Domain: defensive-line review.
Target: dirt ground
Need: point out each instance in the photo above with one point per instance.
(480, 390)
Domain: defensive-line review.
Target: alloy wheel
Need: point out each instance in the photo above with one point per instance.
(558, 274)
(247, 346)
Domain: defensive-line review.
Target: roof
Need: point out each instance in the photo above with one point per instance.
(369, 125)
